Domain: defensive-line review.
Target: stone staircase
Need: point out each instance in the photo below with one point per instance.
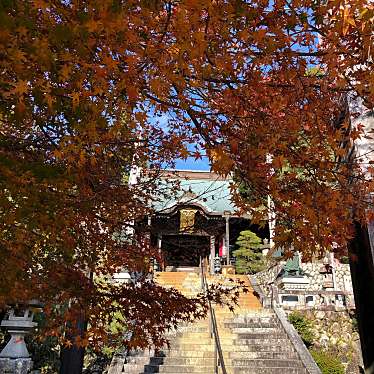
(252, 339)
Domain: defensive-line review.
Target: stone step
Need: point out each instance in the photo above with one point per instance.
(262, 335)
(182, 361)
(192, 347)
(199, 329)
(192, 353)
(265, 341)
(230, 348)
(263, 348)
(132, 368)
(270, 370)
(264, 363)
(210, 371)
(180, 369)
(193, 342)
(234, 358)
(246, 371)
(140, 353)
(177, 369)
(192, 334)
(258, 352)
(230, 370)
(244, 320)
(252, 340)
(138, 360)
(257, 330)
(264, 355)
(253, 325)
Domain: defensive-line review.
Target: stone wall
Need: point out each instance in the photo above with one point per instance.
(333, 326)
(313, 290)
(335, 331)
(317, 279)
(267, 277)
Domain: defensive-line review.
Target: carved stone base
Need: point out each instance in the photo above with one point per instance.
(15, 365)
(294, 283)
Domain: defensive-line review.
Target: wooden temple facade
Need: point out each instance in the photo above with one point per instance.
(197, 222)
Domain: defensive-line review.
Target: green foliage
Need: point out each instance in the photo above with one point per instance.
(44, 352)
(117, 328)
(354, 321)
(303, 326)
(327, 362)
(315, 71)
(249, 258)
(344, 260)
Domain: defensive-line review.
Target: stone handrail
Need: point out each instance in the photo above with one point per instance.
(298, 344)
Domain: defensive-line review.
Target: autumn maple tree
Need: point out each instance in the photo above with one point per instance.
(262, 86)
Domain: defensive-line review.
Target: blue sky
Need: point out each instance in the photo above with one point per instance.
(192, 164)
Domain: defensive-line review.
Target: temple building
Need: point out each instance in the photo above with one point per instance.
(198, 221)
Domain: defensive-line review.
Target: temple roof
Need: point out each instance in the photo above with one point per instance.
(203, 189)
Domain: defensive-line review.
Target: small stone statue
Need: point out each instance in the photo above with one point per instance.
(292, 267)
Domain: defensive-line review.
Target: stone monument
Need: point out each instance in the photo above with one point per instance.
(15, 358)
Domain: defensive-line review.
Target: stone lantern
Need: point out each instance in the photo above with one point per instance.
(15, 358)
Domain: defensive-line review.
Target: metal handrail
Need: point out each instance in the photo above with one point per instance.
(218, 361)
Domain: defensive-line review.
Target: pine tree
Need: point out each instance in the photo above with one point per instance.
(249, 257)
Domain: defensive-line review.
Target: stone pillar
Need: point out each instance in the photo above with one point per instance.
(271, 221)
(212, 254)
(15, 358)
(332, 264)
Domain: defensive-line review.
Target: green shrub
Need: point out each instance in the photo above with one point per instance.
(303, 326)
(249, 257)
(327, 362)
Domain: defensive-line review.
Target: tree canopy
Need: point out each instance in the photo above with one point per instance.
(85, 86)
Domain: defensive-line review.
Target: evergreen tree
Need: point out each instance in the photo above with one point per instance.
(249, 257)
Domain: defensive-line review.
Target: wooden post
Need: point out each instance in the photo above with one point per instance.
(159, 245)
(212, 254)
(227, 240)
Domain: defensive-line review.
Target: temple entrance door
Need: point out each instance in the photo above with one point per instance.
(184, 250)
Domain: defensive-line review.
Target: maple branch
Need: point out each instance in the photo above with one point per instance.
(302, 19)
(231, 81)
(54, 144)
(168, 18)
(291, 53)
(195, 121)
(161, 101)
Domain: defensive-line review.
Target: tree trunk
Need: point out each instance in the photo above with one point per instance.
(361, 251)
(72, 357)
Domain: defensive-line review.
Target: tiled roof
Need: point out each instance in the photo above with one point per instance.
(209, 191)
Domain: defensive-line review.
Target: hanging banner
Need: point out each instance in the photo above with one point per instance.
(222, 247)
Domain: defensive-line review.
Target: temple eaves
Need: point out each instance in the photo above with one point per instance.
(203, 189)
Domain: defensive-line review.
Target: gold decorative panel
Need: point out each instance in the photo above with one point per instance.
(187, 220)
